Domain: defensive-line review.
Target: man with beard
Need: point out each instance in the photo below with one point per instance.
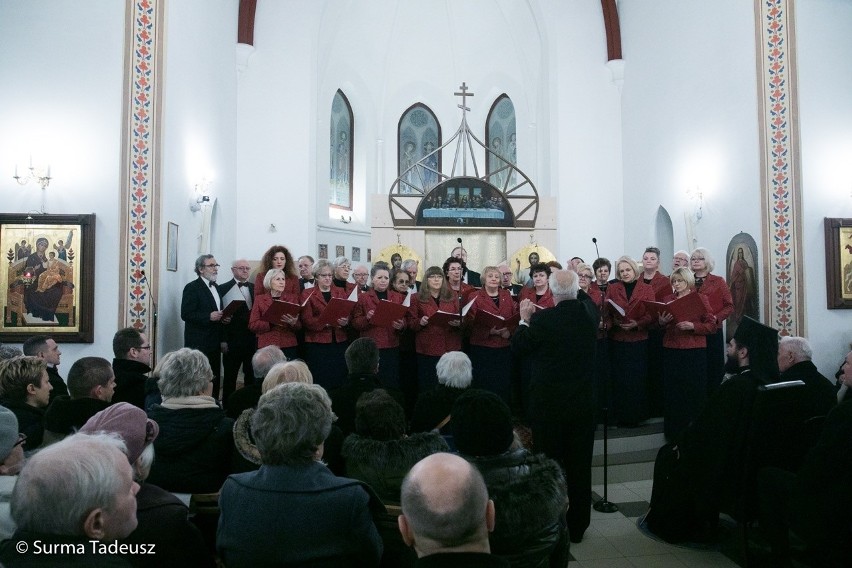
(694, 476)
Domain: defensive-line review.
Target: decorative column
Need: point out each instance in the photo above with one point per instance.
(780, 166)
(140, 163)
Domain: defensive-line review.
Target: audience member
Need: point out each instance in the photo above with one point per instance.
(91, 383)
(528, 490)
(11, 462)
(446, 514)
(379, 452)
(333, 527)
(74, 492)
(561, 342)
(694, 476)
(795, 364)
(9, 351)
(163, 519)
(196, 441)
(263, 360)
(46, 348)
(131, 366)
(362, 362)
(432, 410)
(25, 390)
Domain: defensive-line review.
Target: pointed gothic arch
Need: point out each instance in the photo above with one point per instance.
(341, 146)
(418, 135)
(501, 137)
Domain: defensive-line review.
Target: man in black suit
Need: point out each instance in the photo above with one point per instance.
(470, 277)
(560, 342)
(411, 266)
(201, 310)
(305, 264)
(241, 343)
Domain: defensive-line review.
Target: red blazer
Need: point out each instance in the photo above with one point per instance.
(267, 334)
(465, 293)
(316, 332)
(618, 294)
(661, 284)
(291, 285)
(598, 298)
(385, 337)
(716, 290)
(675, 338)
(434, 340)
(528, 293)
(480, 334)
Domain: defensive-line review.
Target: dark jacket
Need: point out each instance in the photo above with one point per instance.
(237, 334)
(66, 415)
(461, 560)
(130, 377)
(296, 516)
(30, 422)
(530, 502)
(243, 399)
(194, 449)
(164, 522)
(86, 558)
(432, 407)
(197, 303)
(383, 464)
(820, 395)
(58, 384)
(343, 399)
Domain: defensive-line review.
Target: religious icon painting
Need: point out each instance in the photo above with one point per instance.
(340, 250)
(48, 283)
(369, 255)
(323, 251)
(356, 254)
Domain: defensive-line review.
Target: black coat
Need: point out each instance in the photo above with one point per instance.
(58, 384)
(194, 449)
(130, 377)
(66, 415)
(530, 502)
(343, 399)
(432, 407)
(461, 560)
(196, 305)
(30, 422)
(820, 395)
(237, 334)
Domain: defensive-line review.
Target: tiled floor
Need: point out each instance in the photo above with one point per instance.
(614, 541)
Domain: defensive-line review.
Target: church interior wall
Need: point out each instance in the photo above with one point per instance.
(61, 80)
(825, 117)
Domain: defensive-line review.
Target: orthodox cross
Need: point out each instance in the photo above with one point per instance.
(463, 94)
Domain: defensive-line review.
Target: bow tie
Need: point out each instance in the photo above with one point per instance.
(241, 284)
(211, 284)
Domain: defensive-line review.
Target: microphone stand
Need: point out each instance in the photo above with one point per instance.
(604, 505)
(152, 337)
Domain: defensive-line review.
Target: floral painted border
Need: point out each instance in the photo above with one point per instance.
(139, 224)
(778, 99)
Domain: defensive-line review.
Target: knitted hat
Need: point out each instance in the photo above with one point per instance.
(8, 431)
(481, 424)
(129, 422)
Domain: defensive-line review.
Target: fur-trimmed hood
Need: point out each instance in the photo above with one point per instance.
(242, 437)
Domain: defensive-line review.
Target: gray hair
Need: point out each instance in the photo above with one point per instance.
(799, 347)
(340, 261)
(291, 422)
(61, 484)
(142, 467)
(287, 372)
(408, 263)
(270, 274)
(185, 372)
(264, 359)
(708, 258)
(454, 370)
(199, 262)
(9, 351)
(564, 285)
(320, 264)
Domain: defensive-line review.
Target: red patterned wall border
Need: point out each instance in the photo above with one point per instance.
(780, 165)
(140, 145)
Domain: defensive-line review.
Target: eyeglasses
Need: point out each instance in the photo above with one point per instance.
(586, 276)
(326, 275)
(212, 265)
(240, 267)
(360, 275)
(505, 273)
(143, 347)
(21, 439)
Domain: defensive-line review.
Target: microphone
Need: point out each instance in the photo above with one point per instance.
(595, 242)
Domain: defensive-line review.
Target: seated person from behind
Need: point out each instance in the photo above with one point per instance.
(196, 441)
(795, 364)
(446, 513)
(11, 462)
(91, 384)
(261, 362)
(333, 526)
(528, 491)
(75, 491)
(379, 452)
(25, 390)
(162, 518)
(432, 408)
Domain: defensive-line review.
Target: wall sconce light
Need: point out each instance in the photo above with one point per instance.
(346, 220)
(41, 177)
(202, 196)
(697, 195)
